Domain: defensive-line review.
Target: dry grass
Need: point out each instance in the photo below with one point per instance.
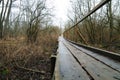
(20, 61)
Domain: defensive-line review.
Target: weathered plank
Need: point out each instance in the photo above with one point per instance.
(69, 69)
(98, 70)
(110, 62)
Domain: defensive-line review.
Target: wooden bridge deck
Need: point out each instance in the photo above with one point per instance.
(76, 63)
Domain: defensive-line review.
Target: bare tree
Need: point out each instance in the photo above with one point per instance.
(35, 14)
(4, 15)
(102, 28)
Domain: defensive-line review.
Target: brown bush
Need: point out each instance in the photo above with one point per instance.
(27, 61)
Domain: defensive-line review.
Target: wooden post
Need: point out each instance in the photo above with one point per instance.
(81, 36)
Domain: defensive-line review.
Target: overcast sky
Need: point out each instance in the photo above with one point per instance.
(60, 11)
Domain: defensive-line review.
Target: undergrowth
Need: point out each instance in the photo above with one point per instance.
(22, 61)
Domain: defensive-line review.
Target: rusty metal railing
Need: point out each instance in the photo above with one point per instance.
(66, 32)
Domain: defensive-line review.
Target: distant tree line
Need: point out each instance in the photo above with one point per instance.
(32, 17)
(101, 29)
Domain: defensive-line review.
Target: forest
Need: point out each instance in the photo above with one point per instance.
(28, 37)
(101, 29)
(27, 40)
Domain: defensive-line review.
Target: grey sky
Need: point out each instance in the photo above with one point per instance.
(60, 11)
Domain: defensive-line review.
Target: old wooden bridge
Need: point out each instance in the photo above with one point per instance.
(81, 62)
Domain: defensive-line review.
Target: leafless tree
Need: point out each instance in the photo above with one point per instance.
(102, 27)
(4, 15)
(35, 14)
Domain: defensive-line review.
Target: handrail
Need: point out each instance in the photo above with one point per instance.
(102, 3)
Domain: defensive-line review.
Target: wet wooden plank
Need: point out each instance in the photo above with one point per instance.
(69, 69)
(114, 64)
(98, 70)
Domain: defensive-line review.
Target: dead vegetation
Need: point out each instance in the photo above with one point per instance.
(22, 61)
(27, 40)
